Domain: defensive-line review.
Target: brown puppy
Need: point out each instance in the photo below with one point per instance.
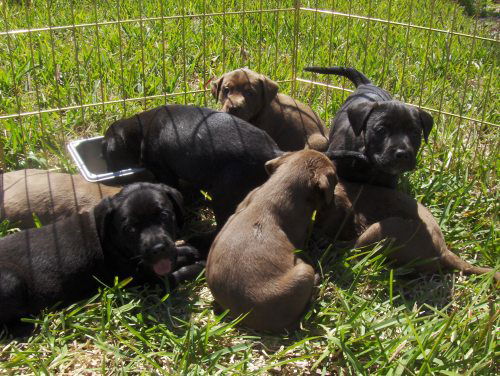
(252, 266)
(254, 98)
(367, 214)
(50, 195)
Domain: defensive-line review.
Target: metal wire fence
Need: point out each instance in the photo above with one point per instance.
(71, 67)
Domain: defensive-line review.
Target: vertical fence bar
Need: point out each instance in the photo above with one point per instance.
(204, 48)
(14, 80)
(32, 59)
(427, 45)
(163, 54)
(405, 54)
(98, 47)
(259, 54)
(329, 92)
(141, 41)
(296, 30)
(386, 47)
(120, 51)
(243, 52)
(348, 39)
(367, 34)
(315, 33)
(56, 72)
(184, 60)
(224, 28)
(77, 58)
(276, 38)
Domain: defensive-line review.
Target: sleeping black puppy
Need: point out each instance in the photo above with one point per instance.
(130, 234)
(211, 150)
(386, 131)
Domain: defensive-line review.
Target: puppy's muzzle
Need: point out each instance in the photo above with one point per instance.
(161, 257)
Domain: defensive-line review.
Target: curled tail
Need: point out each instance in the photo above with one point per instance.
(352, 74)
(452, 261)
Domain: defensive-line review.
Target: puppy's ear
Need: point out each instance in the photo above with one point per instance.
(178, 202)
(103, 213)
(269, 88)
(272, 165)
(215, 87)
(358, 115)
(426, 121)
(326, 183)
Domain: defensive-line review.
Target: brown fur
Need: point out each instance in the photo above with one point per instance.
(381, 213)
(50, 195)
(254, 98)
(252, 265)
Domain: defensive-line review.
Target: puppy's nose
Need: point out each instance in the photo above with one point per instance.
(156, 249)
(402, 154)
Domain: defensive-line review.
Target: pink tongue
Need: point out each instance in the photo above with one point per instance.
(162, 267)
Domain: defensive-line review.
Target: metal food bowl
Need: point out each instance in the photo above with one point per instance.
(87, 154)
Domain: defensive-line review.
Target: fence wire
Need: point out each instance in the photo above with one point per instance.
(25, 98)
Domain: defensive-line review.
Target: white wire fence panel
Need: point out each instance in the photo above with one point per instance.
(73, 66)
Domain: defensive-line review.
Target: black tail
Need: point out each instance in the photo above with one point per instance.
(352, 74)
(344, 154)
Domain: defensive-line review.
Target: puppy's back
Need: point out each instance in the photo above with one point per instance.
(49, 195)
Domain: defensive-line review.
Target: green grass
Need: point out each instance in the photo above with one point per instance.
(365, 319)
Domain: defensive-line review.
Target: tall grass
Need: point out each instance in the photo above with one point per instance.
(365, 319)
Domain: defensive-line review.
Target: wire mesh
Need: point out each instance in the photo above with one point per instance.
(77, 65)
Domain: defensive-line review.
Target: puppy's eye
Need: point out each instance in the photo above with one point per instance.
(380, 131)
(225, 90)
(129, 229)
(165, 215)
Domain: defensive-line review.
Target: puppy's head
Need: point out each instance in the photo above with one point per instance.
(308, 170)
(244, 93)
(121, 146)
(141, 223)
(392, 133)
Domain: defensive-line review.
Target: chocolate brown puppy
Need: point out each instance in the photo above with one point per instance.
(252, 266)
(254, 97)
(386, 131)
(367, 214)
(49, 195)
(131, 234)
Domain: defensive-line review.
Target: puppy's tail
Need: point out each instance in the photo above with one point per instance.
(344, 154)
(352, 74)
(451, 261)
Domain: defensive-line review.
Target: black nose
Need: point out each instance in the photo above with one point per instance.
(156, 250)
(402, 154)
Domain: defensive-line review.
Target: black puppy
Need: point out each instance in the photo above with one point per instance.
(211, 150)
(386, 131)
(130, 234)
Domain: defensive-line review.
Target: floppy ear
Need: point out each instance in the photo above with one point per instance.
(426, 121)
(103, 212)
(269, 87)
(178, 202)
(326, 184)
(272, 165)
(215, 87)
(358, 115)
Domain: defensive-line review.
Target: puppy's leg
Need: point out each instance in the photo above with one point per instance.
(186, 273)
(13, 296)
(187, 255)
(317, 141)
(410, 242)
(282, 302)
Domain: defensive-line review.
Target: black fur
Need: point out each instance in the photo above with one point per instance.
(128, 235)
(211, 150)
(386, 131)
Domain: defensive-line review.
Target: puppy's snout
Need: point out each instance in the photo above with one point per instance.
(402, 154)
(156, 250)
